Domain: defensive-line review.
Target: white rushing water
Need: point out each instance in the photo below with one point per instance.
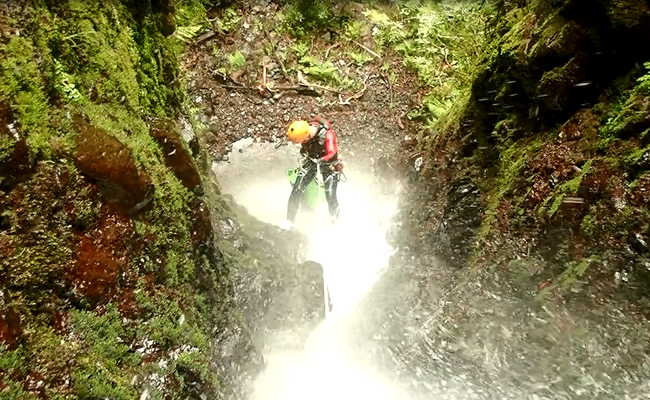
(353, 252)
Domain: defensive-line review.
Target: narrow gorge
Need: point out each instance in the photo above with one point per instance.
(494, 226)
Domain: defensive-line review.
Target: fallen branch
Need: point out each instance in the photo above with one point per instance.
(305, 82)
(205, 37)
(367, 49)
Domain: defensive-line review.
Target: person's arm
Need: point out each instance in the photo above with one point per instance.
(331, 146)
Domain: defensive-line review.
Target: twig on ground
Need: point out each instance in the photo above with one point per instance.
(373, 53)
(327, 53)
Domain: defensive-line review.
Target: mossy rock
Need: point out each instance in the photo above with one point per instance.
(559, 39)
(105, 159)
(630, 15)
(177, 157)
(102, 255)
(559, 85)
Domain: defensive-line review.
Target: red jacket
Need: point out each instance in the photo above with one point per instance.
(323, 145)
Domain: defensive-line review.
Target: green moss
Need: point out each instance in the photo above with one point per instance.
(22, 86)
(107, 365)
(512, 161)
(95, 59)
(7, 144)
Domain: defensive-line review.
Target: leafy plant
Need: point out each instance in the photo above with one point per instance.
(187, 33)
(442, 42)
(359, 58)
(324, 71)
(229, 20)
(300, 48)
(302, 17)
(644, 81)
(63, 83)
(236, 60)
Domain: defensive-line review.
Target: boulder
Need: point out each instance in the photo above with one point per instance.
(177, 157)
(102, 157)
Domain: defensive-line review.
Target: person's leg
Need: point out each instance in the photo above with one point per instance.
(305, 175)
(331, 180)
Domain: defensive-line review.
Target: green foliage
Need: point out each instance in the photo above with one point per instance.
(187, 33)
(229, 20)
(236, 60)
(324, 71)
(354, 29)
(360, 58)
(64, 84)
(442, 42)
(300, 48)
(644, 81)
(570, 276)
(628, 113)
(303, 17)
(192, 13)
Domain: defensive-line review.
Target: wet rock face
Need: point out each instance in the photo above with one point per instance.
(104, 158)
(102, 256)
(454, 239)
(167, 134)
(278, 291)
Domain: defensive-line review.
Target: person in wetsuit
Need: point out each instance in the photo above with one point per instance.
(318, 146)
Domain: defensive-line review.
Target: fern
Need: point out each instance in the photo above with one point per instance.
(187, 33)
(644, 81)
(64, 85)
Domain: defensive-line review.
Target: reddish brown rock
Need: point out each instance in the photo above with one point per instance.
(10, 328)
(177, 157)
(102, 255)
(104, 158)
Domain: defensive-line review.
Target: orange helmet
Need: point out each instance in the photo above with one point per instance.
(298, 131)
